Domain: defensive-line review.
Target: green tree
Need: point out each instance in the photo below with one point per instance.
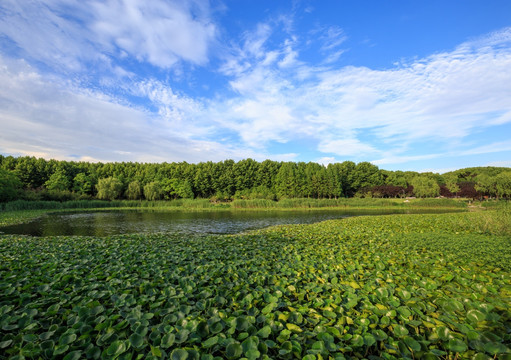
(503, 184)
(176, 188)
(424, 186)
(333, 182)
(134, 191)
(245, 174)
(82, 184)
(486, 184)
(109, 188)
(366, 174)
(289, 180)
(10, 186)
(396, 178)
(267, 173)
(153, 191)
(58, 181)
(29, 174)
(184, 190)
(451, 182)
(203, 180)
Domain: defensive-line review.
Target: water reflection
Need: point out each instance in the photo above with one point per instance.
(105, 223)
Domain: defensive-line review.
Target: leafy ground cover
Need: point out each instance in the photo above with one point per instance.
(400, 286)
(19, 217)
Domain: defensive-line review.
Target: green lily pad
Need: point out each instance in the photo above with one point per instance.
(179, 354)
(456, 345)
(233, 351)
(400, 330)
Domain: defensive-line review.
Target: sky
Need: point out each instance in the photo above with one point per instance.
(406, 85)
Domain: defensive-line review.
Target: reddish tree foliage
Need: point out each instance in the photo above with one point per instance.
(444, 191)
(384, 191)
(467, 190)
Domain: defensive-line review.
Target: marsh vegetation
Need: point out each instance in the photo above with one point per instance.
(400, 286)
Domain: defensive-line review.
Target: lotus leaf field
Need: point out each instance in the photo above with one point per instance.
(399, 286)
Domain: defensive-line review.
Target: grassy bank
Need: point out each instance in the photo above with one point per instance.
(349, 203)
(236, 204)
(392, 287)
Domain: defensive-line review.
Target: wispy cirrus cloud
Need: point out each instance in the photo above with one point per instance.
(442, 99)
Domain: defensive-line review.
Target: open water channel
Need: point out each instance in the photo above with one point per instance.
(112, 222)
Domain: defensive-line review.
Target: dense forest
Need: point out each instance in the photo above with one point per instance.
(30, 178)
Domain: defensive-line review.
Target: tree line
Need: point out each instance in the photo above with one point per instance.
(39, 179)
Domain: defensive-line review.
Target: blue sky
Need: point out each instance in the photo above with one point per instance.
(406, 85)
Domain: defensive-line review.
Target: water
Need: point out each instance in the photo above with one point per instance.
(105, 223)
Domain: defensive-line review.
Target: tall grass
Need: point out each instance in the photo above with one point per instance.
(236, 204)
(495, 204)
(343, 202)
(437, 203)
(496, 221)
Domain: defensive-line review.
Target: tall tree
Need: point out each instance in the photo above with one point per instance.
(82, 184)
(425, 186)
(245, 174)
(503, 184)
(153, 191)
(109, 188)
(58, 181)
(10, 186)
(486, 184)
(287, 182)
(451, 182)
(134, 191)
(365, 175)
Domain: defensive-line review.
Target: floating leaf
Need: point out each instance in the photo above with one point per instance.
(412, 344)
(136, 340)
(67, 339)
(400, 330)
(294, 328)
(4, 344)
(456, 345)
(475, 316)
(167, 340)
(73, 355)
(212, 341)
(496, 348)
(179, 354)
(264, 332)
(116, 348)
(233, 351)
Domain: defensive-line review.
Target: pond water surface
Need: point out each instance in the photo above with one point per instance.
(112, 222)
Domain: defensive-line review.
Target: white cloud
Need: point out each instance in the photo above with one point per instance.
(48, 117)
(271, 95)
(38, 32)
(67, 34)
(156, 31)
(400, 159)
(332, 38)
(503, 163)
(346, 147)
(326, 160)
(441, 99)
(489, 148)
